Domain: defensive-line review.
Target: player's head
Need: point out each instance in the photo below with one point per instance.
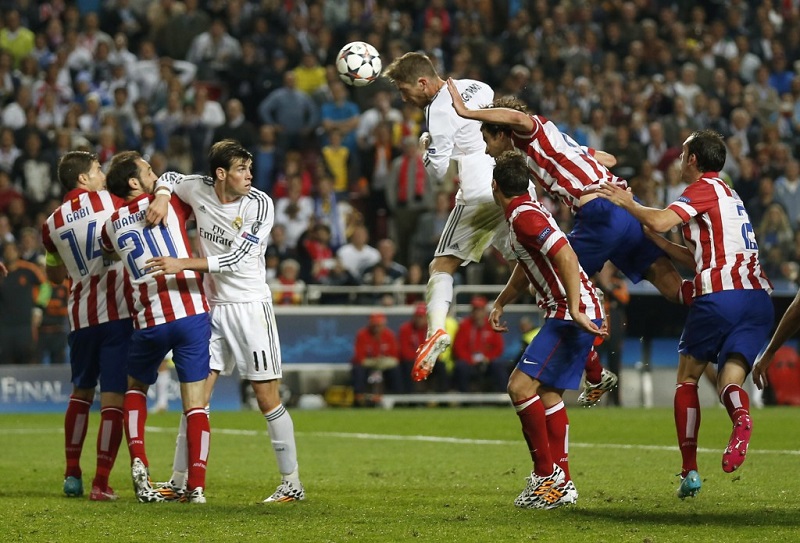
(81, 169)
(498, 136)
(415, 77)
(511, 176)
(704, 150)
(130, 175)
(231, 167)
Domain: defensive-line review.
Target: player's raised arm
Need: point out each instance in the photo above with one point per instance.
(516, 120)
(658, 220)
(787, 327)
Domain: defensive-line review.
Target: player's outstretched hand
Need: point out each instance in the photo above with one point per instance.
(763, 362)
(614, 194)
(458, 102)
(157, 210)
(494, 319)
(161, 265)
(583, 320)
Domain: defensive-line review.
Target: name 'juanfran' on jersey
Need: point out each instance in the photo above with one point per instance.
(157, 298)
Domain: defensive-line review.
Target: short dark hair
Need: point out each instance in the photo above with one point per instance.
(223, 154)
(511, 173)
(123, 167)
(507, 102)
(410, 67)
(73, 164)
(709, 148)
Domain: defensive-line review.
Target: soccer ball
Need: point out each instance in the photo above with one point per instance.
(358, 64)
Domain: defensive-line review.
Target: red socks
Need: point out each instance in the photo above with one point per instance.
(736, 401)
(593, 368)
(534, 428)
(135, 408)
(687, 423)
(198, 438)
(108, 440)
(75, 422)
(558, 436)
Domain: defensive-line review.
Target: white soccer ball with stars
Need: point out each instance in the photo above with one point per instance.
(358, 64)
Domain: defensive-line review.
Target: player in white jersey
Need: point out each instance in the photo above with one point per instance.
(170, 313)
(475, 222)
(234, 221)
(732, 314)
(547, 267)
(99, 316)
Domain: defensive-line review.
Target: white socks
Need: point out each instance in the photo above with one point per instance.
(281, 433)
(439, 296)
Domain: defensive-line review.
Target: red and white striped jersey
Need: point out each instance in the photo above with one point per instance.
(98, 292)
(717, 230)
(157, 298)
(562, 168)
(535, 239)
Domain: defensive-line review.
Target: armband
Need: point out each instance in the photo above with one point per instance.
(52, 259)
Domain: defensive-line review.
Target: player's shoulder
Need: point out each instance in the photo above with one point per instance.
(260, 203)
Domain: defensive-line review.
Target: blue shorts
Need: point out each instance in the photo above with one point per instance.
(722, 323)
(604, 232)
(101, 351)
(557, 355)
(187, 338)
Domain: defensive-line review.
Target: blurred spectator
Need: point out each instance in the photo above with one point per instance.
(246, 78)
(9, 152)
(358, 255)
(34, 172)
(265, 159)
(477, 350)
(407, 195)
(381, 112)
(310, 75)
(415, 277)
(23, 294)
(293, 114)
(14, 113)
(182, 27)
(7, 193)
(294, 211)
(236, 126)
(375, 359)
(411, 335)
(315, 255)
(330, 210)
(54, 329)
(337, 160)
(394, 271)
(775, 230)
(287, 288)
(787, 192)
(15, 38)
(214, 51)
(429, 229)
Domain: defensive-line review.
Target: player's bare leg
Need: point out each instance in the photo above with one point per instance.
(438, 298)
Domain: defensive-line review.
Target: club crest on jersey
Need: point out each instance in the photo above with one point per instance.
(544, 234)
(237, 223)
(256, 226)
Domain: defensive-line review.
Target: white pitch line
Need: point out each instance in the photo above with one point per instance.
(428, 439)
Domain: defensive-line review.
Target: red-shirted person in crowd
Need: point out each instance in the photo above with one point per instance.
(411, 335)
(375, 358)
(477, 349)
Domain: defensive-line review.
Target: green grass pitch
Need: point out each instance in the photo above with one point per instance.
(439, 475)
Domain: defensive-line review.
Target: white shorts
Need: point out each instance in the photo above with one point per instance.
(245, 335)
(470, 229)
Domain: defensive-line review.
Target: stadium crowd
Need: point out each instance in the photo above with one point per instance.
(343, 166)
